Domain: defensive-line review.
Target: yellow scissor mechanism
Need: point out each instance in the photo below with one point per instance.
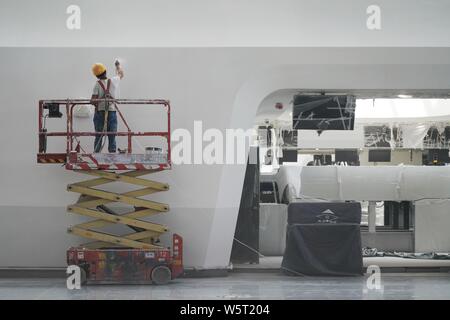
(92, 204)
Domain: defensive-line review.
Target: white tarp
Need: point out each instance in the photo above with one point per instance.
(395, 183)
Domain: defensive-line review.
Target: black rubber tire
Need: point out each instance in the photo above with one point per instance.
(83, 276)
(161, 275)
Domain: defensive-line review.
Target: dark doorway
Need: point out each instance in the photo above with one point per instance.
(246, 237)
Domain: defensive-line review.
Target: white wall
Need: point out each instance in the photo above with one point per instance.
(207, 23)
(398, 156)
(33, 197)
(221, 86)
(332, 139)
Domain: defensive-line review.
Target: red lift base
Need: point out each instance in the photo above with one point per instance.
(128, 266)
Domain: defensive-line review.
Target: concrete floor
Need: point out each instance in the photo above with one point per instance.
(242, 286)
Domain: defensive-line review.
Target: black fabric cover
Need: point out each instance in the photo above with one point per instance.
(323, 249)
(313, 212)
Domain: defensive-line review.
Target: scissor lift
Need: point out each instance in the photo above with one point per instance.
(137, 256)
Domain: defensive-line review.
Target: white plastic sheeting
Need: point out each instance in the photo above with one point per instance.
(287, 178)
(395, 110)
(395, 183)
(432, 221)
(82, 111)
(413, 135)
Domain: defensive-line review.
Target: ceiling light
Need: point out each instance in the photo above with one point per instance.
(404, 96)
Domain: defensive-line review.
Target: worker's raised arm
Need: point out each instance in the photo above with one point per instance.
(119, 70)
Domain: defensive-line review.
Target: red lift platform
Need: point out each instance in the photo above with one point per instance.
(135, 257)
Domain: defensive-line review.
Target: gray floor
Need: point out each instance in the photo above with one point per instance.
(274, 263)
(242, 286)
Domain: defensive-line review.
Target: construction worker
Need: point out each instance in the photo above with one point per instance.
(105, 118)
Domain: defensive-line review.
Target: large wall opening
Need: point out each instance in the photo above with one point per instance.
(399, 137)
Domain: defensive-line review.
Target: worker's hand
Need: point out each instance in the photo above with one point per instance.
(119, 70)
(94, 102)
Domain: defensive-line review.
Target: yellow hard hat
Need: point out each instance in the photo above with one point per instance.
(98, 69)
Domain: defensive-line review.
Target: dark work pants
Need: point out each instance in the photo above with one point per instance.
(99, 120)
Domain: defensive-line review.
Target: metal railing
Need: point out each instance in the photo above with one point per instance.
(70, 134)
